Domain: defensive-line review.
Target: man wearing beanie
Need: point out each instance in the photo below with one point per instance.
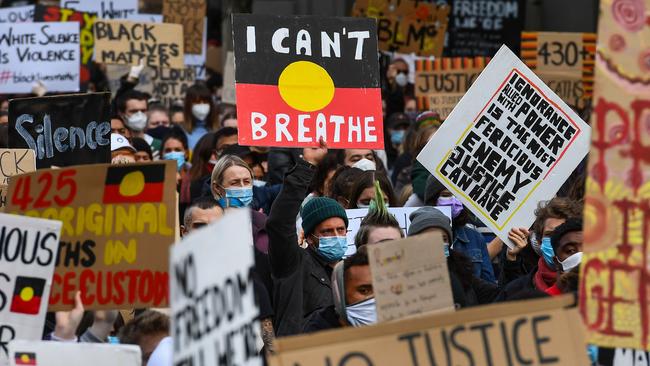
(301, 277)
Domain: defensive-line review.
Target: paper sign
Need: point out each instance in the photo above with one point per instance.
(45, 52)
(128, 43)
(17, 14)
(410, 277)
(565, 61)
(118, 223)
(300, 78)
(440, 83)
(614, 273)
(509, 143)
(534, 332)
(407, 26)
(29, 249)
(215, 295)
(105, 9)
(228, 94)
(479, 28)
(49, 353)
(190, 14)
(169, 85)
(63, 130)
(13, 162)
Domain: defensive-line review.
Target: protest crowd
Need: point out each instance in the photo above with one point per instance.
(417, 183)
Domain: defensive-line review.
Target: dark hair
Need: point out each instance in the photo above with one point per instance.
(371, 222)
(203, 203)
(340, 156)
(569, 226)
(462, 266)
(342, 181)
(360, 258)
(201, 156)
(177, 134)
(157, 107)
(128, 95)
(556, 208)
(147, 323)
(199, 93)
(223, 132)
(4, 136)
(323, 169)
(140, 144)
(228, 115)
(367, 180)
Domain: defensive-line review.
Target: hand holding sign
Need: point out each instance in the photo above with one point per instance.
(67, 322)
(314, 155)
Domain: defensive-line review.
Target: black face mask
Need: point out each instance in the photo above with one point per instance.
(159, 132)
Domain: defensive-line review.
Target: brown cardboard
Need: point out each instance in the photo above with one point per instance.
(13, 162)
(191, 15)
(116, 231)
(410, 277)
(128, 43)
(228, 93)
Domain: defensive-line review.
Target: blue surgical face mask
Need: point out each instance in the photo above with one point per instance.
(445, 247)
(237, 197)
(547, 251)
(454, 203)
(332, 248)
(396, 137)
(179, 156)
(362, 313)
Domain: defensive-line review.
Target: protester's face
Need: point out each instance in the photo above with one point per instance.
(157, 118)
(570, 243)
(354, 155)
(134, 106)
(237, 177)
(117, 126)
(4, 119)
(445, 193)
(410, 106)
(225, 142)
(4, 106)
(550, 224)
(123, 152)
(178, 118)
(173, 145)
(334, 226)
(368, 195)
(258, 172)
(142, 156)
(358, 284)
(230, 122)
(201, 217)
(381, 234)
(445, 237)
(401, 67)
(148, 344)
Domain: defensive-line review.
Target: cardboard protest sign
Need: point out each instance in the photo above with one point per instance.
(509, 143)
(14, 162)
(130, 43)
(169, 85)
(105, 9)
(565, 61)
(118, 222)
(300, 78)
(86, 40)
(614, 272)
(45, 52)
(17, 14)
(48, 353)
(410, 277)
(440, 83)
(29, 249)
(196, 280)
(407, 26)
(190, 14)
(534, 332)
(228, 94)
(479, 28)
(63, 130)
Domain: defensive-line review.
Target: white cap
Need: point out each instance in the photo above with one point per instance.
(163, 353)
(120, 142)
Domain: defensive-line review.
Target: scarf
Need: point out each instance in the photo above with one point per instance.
(545, 276)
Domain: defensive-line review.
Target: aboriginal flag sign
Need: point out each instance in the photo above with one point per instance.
(299, 78)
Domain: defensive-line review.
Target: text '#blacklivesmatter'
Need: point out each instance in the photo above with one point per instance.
(300, 78)
(514, 143)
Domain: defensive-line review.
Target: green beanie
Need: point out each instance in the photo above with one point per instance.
(319, 209)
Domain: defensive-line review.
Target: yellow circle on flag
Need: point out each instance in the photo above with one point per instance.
(132, 184)
(306, 86)
(24, 358)
(27, 293)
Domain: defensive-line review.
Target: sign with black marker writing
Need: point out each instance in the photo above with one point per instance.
(17, 14)
(215, 296)
(32, 52)
(105, 9)
(49, 353)
(170, 85)
(13, 162)
(190, 14)
(509, 143)
(130, 43)
(63, 130)
(29, 250)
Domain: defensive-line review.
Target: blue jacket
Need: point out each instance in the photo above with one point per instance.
(471, 243)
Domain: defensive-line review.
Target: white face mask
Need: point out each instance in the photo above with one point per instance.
(571, 262)
(362, 313)
(365, 165)
(401, 79)
(137, 121)
(200, 111)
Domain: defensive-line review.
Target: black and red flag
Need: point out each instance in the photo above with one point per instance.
(299, 78)
(28, 293)
(134, 183)
(25, 358)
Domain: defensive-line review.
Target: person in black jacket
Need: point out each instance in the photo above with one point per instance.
(302, 276)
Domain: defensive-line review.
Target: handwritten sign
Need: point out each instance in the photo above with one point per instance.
(191, 14)
(50, 353)
(128, 43)
(410, 277)
(13, 162)
(536, 332)
(440, 83)
(169, 85)
(63, 130)
(105, 9)
(407, 26)
(29, 250)
(45, 52)
(565, 61)
(509, 143)
(197, 279)
(479, 28)
(118, 222)
(17, 14)
(613, 295)
(300, 78)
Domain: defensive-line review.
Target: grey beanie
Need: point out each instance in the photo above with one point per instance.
(428, 217)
